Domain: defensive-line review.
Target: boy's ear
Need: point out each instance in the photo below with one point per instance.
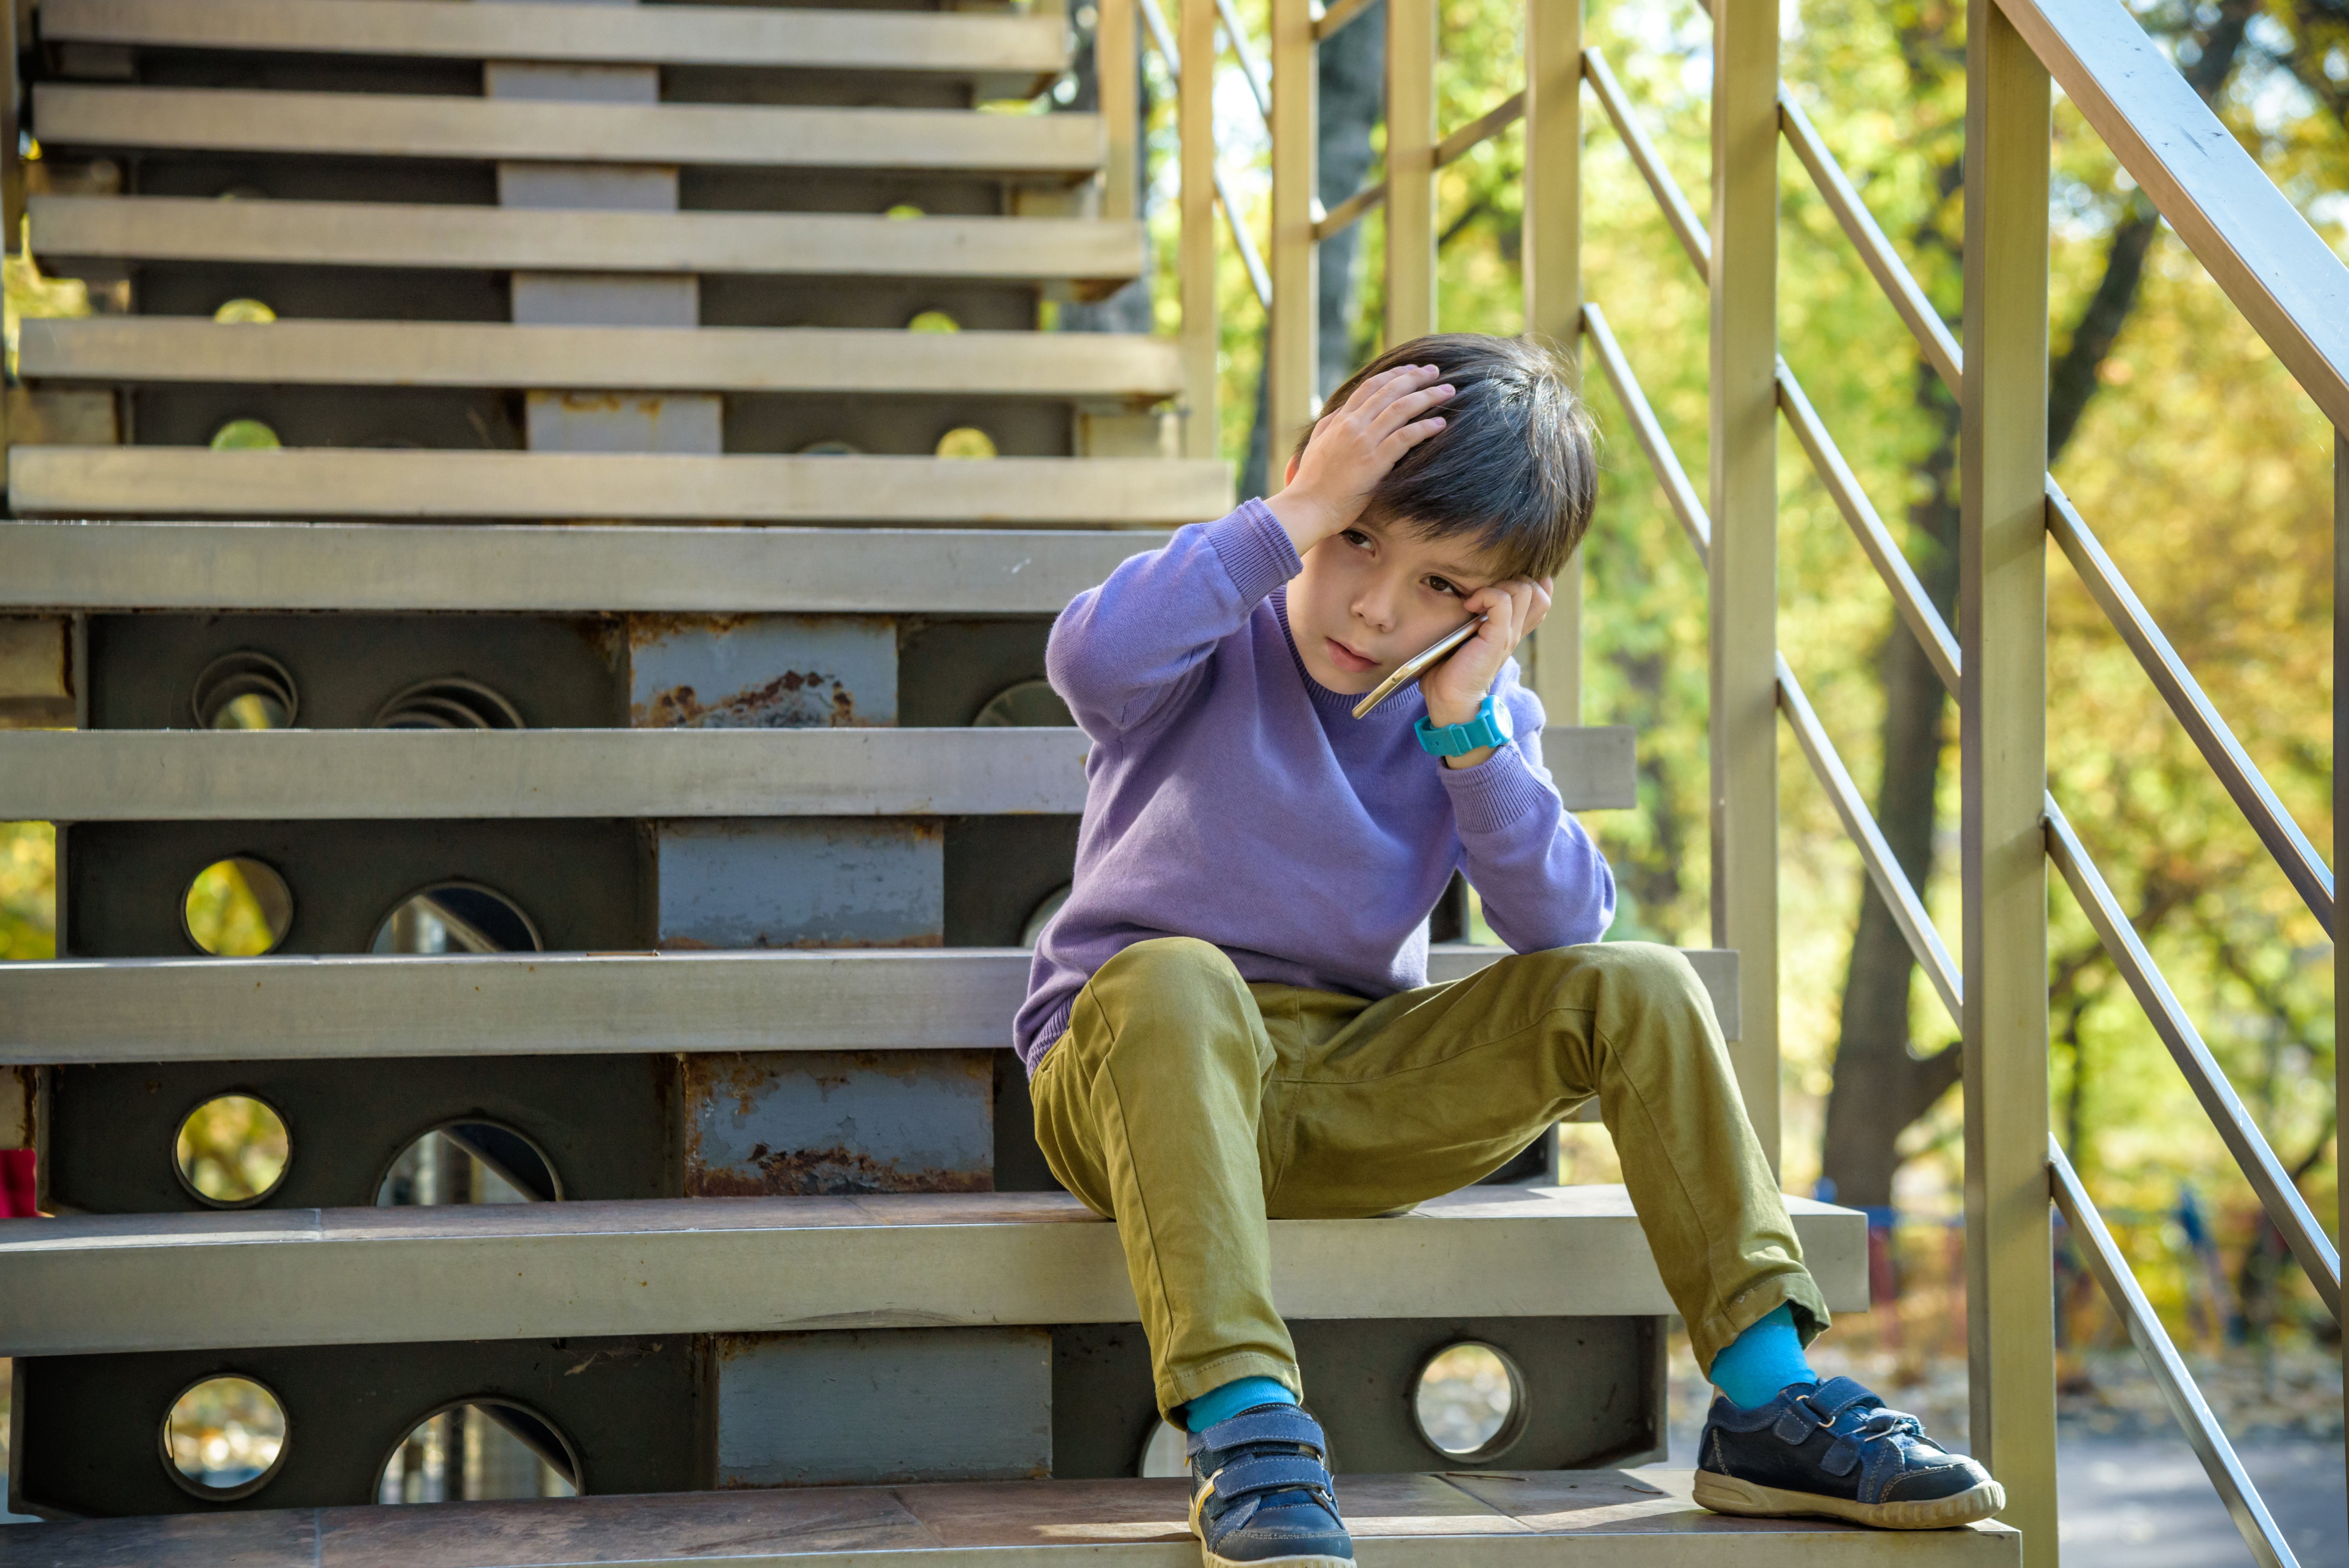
(1292, 477)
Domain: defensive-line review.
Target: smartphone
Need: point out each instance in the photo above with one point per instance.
(1419, 664)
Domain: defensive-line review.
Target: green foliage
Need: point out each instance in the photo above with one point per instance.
(29, 889)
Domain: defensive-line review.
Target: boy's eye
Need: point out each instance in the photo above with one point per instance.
(1357, 538)
(1442, 587)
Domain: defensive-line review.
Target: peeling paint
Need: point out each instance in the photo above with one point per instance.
(829, 1123)
(750, 671)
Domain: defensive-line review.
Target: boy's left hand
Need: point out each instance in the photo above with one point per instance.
(1455, 688)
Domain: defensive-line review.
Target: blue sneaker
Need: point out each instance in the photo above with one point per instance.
(1835, 1449)
(1261, 1493)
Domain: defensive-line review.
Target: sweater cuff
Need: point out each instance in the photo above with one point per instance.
(1496, 792)
(1254, 550)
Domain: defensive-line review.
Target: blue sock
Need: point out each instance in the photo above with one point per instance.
(1761, 1361)
(1222, 1404)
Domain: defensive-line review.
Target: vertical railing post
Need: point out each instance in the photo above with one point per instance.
(1117, 81)
(1410, 170)
(2340, 842)
(2002, 708)
(1202, 331)
(1745, 559)
(1553, 274)
(1291, 398)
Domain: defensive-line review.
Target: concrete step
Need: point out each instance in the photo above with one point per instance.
(633, 487)
(146, 350)
(298, 1009)
(1591, 1519)
(914, 42)
(332, 775)
(527, 1271)
(81, 236)
(74, 117)
(76, 565)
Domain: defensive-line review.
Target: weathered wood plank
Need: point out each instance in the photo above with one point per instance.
(328, 482)
(404, 125)
(361, 1277)
(943, 43)
(425, 566)
(134, 348)
(68, 231)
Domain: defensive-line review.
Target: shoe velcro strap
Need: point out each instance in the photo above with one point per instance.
(1837, 1395)
(1269, 1473)
(1264, 1424)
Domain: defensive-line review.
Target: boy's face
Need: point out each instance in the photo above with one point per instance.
(1373, 594)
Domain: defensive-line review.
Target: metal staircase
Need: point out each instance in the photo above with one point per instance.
(566, 415)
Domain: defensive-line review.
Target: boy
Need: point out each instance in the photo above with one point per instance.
(1229, 1018)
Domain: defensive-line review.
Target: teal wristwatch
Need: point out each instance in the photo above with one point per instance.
(1489, 727)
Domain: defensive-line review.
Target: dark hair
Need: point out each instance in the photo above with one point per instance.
(1515, 467)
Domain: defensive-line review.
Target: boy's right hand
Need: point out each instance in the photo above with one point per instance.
(1352, 447)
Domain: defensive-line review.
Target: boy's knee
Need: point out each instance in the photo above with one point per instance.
(1173, 984)
(1641, 975)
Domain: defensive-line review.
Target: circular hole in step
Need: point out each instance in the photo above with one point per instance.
(1042, 916)
(1469, 1401)
(224, 1438)
(1032, 703)
(830, 449)
(244, 313)
(456, 917)
(244, 435)
(237, 908)
(903, 210)
(449, 702)
(1162, 1453)
(966, 441)
(933, 320)
(473, 1162)
(232, 1152)
(477, 1450)
(244, 690)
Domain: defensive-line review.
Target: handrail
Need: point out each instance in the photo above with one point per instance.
(1859, 225)
(1260, 279)
(2299, 859)
(1450, 151)
(1686, 224)
(1259, 80)
(2277, 1194)
(1891, 882)
(1899, 895)
(2161, 1358)
(2302, 866)
(1891, 564)
(1337, 16)
(2246, 233)
(1677, 492)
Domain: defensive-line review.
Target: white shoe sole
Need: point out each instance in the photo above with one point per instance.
(1317, 1559)
(1727, 1494)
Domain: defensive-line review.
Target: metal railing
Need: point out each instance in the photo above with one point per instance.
(2275, 269)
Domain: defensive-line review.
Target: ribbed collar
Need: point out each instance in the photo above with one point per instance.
(1400, 708)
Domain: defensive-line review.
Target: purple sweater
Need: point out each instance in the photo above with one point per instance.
(1231, 797)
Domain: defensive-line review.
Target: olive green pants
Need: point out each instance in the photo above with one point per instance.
(1191, 1107)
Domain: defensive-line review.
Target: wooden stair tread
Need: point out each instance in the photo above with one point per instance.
(941, 43)
(325, 482)
(1457, 1520)
(63, 1011)
(77, 565)
(678, 1265)
(69, 233)
(408, 125)
(636, 358)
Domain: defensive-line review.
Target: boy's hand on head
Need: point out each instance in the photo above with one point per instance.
(1455, 688)
(1352, 447)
